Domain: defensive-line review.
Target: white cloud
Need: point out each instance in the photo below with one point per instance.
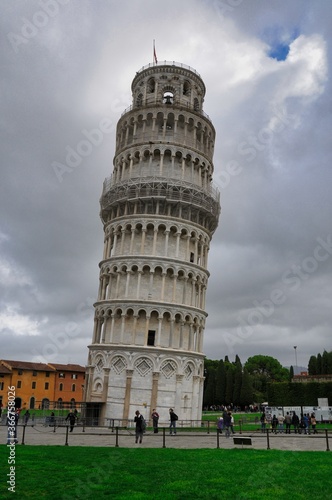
(11, 319)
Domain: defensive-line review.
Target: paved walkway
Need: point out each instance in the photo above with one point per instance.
(95, 436)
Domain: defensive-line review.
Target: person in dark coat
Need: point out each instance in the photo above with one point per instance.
(72, 419)
(295, 423)
(139, 426)
(173, 418)
(26, 417)
(155, 418)
(274, 424)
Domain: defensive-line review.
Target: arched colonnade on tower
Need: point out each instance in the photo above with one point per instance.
(158, 126)
(157, 238)
(149, 326)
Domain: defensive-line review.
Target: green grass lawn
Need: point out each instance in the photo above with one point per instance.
(56, 472)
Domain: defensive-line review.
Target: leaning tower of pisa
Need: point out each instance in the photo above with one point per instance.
(159, 210)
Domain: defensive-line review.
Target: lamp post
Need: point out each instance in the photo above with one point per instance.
(295, 360)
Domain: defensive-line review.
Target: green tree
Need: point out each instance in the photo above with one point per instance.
(291, 373)
(329, 362)
(237, 384)
(265, 369)
(312, 365)
(221, 383)
(209, 386)
(237, 374)
(229, 385)
(246, 395)
(319, 364)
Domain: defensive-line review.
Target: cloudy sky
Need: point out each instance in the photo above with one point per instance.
(67, 66)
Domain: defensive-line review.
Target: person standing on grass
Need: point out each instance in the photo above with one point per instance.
(306, 423)
(139, 426)
(313, 423)
(220, 425)
(72, 419)
(231, 425)
(274, 424)
(227, 424)
(295, 423)
(288, 421)
(263, 422)
(155, 419)
(173, 418)
(26, 417)
(281, 420)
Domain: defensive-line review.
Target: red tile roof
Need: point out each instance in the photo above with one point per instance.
(67, 368)
(26, 365)
(4, 369)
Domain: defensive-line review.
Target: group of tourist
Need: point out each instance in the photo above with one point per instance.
(283, 423)
(140, 424)
(226, 423)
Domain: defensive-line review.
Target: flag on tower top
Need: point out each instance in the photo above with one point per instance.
(154, 53)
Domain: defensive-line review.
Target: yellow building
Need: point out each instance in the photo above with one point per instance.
(69, 383)
(40, 385)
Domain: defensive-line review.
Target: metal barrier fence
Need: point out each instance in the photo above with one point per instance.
(185, 438)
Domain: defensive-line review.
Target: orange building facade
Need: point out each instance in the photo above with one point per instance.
(40, 385)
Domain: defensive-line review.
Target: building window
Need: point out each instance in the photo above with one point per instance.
(60, 387)
(19, 384)
(73, 388)
(34, 373)
(151, 337)
(192, 257)
(1, 386)
(47, 374)
(20, 372)
(45, 404)
(46, 385)
(33, 385)
(61, 375)
(74, 376)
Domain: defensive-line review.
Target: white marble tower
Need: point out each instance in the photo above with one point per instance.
(159, 210)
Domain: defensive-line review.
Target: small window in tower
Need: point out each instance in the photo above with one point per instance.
(168, 98)
(186, 88)
(192, 257)
(151, 85)
(151, 337)
(196, 104)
